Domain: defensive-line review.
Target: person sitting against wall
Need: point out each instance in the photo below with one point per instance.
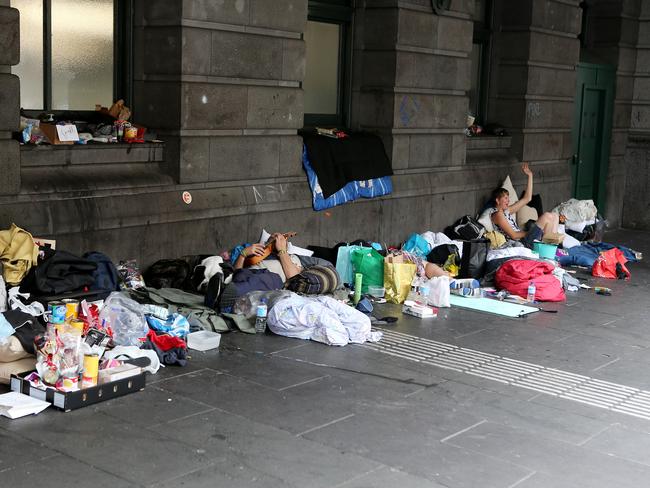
(286, 265)
(504, 222)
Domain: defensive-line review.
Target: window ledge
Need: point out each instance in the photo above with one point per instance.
(488, 149)
(488, 142)
(93, 167)
(89, 154)
(639, 138)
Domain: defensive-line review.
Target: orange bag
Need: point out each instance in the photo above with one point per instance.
(611, 264)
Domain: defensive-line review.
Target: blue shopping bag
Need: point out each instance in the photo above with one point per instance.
(344, 264)
(418, 245)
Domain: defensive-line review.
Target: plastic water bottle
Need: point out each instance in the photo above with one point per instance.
(414, 292)
(423, 294)
(260, 318)
(531, 292)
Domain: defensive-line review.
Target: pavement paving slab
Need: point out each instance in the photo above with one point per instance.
(269, 411)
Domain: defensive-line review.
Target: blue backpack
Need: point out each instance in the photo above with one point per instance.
(105, 276)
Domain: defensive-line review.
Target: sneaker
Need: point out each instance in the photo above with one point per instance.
(468, 292)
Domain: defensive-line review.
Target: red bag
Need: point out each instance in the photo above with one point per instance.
(515, 275)
(606, 265)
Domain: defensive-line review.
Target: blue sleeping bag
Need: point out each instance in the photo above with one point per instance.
(375, 187)
(586, 254)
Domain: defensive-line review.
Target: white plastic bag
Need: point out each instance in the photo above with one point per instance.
(321, 319)
(439, 291)
(133, 352)
(18, 301)
(126, 318)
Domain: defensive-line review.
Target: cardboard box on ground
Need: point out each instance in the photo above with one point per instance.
(72, 400)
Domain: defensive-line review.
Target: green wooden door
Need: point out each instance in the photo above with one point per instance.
(592, 132)
(589, 145)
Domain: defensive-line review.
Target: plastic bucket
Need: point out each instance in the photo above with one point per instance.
(376, 291)
(203, 340)
(545, 251)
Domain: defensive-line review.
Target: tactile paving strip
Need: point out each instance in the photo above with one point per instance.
(562, 384)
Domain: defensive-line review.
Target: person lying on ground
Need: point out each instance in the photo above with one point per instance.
(504, 222)
(432, 270)
(283, 264)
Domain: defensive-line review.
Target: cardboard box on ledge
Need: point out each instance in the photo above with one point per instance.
(59, 134)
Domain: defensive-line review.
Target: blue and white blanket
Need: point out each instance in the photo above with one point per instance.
(375, 187)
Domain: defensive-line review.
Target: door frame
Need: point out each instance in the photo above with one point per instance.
(595, 77)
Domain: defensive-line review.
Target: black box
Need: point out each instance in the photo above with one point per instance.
(72, 400)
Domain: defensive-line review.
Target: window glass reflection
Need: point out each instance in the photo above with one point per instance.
(321, 84)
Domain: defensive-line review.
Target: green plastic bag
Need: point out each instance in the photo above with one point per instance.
(370, 264)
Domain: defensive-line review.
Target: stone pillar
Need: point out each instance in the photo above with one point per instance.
(9, 99)
(412, 78)
(636, 195)
(533, 86)
(221, 82)
(410, 82)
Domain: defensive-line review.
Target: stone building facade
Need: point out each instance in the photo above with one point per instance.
(221, 84)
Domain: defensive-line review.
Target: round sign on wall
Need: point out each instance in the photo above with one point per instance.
(187, 197)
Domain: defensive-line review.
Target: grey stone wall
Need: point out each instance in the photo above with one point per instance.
(221, 84)
(533, 85)
(636, 205)
(636, 198)
(410, 87)
(612, 39)
(9, 99)
(226, 96)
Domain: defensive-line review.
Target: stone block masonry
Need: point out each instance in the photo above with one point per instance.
(9, 99)
(221, 84)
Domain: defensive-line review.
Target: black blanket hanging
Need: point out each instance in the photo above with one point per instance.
(336, 162)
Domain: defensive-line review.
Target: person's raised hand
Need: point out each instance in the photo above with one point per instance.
(526, 169)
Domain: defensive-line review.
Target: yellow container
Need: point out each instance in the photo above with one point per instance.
(71, 309)
(77, 326)
(91, 370)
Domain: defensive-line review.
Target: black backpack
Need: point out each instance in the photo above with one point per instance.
(61, 272)
(106, 276)
(441, 253)
(168, 273)
(466, 228)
